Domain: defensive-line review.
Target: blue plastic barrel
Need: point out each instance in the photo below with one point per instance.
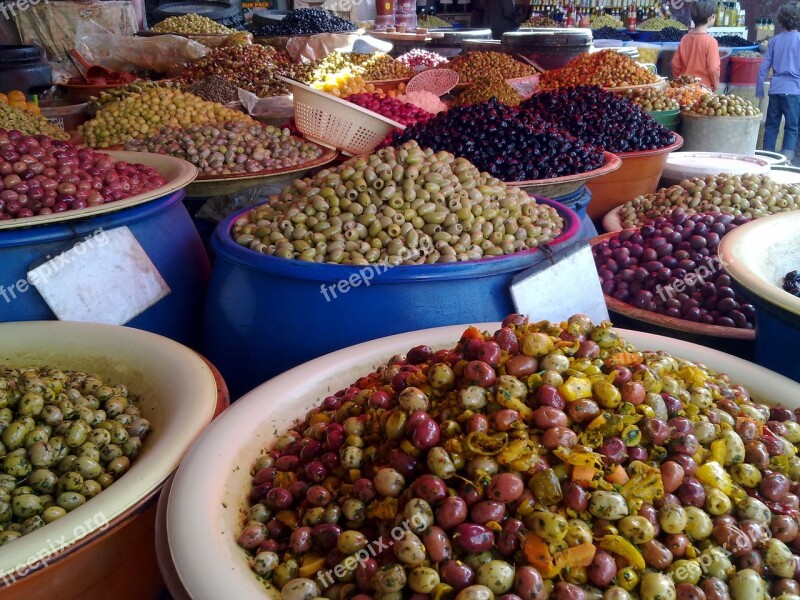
(577, 201)
(165, 231)
(266, 314)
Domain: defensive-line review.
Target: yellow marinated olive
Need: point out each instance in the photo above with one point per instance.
(746, 474)
(636, 528)
(551, 527)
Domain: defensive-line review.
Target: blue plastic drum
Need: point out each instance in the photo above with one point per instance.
(266, 314)
(165, 231)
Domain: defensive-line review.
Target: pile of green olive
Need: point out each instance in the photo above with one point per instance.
(751, 196)
(731, 105)
(543, 460)
(66, 436)
(401, 205)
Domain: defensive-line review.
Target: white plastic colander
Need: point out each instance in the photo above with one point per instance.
(334, 123)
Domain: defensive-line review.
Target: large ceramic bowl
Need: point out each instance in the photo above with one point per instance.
(757, 255)
(211, 486)
(105, 548)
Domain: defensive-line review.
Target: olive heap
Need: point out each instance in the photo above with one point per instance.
(731, 41)
(791, 283)
(391, 108)
(750, 196)
(502, 140)
(67, 436)
(400, 205)
(230, 148)
(252, 68)
(610, 33)
(606, 68)
(42, 176)
(660, 23)
(486, 88)
(479, 64)
(539, 22)
(13, 118)
(652, 100)
(141, 115)
(597, 22)
(731, 105)
(433, 22)
(668, 34)
(600, 118)
(214, 88)
(191, 23)
(544, 460)
(116, 94)
(304, 21)
(648, 268)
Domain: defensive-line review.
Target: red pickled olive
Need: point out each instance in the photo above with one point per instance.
(269, 546)
(505, 487)
(622, 375)
(330, 460)
(309, 450)
(437, 544)
(260, 491)
(287, 463)
(419, 354)
(672, 475)
(490, 353)
(504, 419)
(487, 511)
(547, 395)
(334, 437)
(583, 411)
(318, 495)
(299, 489)
(326, 535)
(264, 476)
(404, 464)
(252, 536)
(479, 373)
(380, 399)
(506, 340)
(399, 381)
(430, 488)
(575, 497)
(301, 540)
(521, 365)
(426, 434)
(508, 540)
(471, 494)
(633, 392)
(451, 512)
(588, 349)
(331, 403)
(515, 319)
(477, 422)
(471, 347)
(365, 571)
(279, 499)
(278, 530)
(418, 416)
(456, 574)
(602, 570)
(691, 493)
(473, 538)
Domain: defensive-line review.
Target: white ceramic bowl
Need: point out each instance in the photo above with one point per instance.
(758, 254)
(178, 395)
(211, 486)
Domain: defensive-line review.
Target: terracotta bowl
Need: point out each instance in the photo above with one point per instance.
(106, 548)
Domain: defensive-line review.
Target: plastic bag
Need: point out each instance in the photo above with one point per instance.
(163, 54)
(526, 86)
(278, 109)
(218, 208)
(316, 47)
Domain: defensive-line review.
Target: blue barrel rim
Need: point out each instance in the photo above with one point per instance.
(50, 232)
(226, 248)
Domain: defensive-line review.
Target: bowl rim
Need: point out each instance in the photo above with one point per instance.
(738, 267)
(118, 503)
(196, 549)
(223, 244)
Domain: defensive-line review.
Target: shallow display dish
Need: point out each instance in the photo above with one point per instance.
(211, 185)
(109, 540)
(757, 256)
(211, 487)
(561, 186)
(177, 172)
(639, 174)
(81, 92)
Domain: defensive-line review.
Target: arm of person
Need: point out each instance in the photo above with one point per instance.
(713, 62)
(678, 64)
(766, 65)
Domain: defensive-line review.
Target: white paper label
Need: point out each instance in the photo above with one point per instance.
(106, 278)
(557, 291)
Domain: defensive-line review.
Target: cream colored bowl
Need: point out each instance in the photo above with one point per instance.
(178, 395)
(211, 486)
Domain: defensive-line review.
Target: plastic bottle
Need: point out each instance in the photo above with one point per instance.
(405, 15)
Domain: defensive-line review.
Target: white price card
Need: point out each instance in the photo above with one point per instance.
(560, 286)
(105, 278)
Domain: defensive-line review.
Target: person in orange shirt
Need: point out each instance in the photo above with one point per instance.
(698, 52)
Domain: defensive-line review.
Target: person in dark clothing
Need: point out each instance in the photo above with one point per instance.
(501, 16)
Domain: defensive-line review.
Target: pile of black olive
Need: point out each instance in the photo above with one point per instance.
(791, 283)
(732, 41)
(609, 33)
(304, 21)
(600, 118)
(505, 142)
(668, 34)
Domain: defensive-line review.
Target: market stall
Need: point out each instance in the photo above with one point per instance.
(399, 248)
